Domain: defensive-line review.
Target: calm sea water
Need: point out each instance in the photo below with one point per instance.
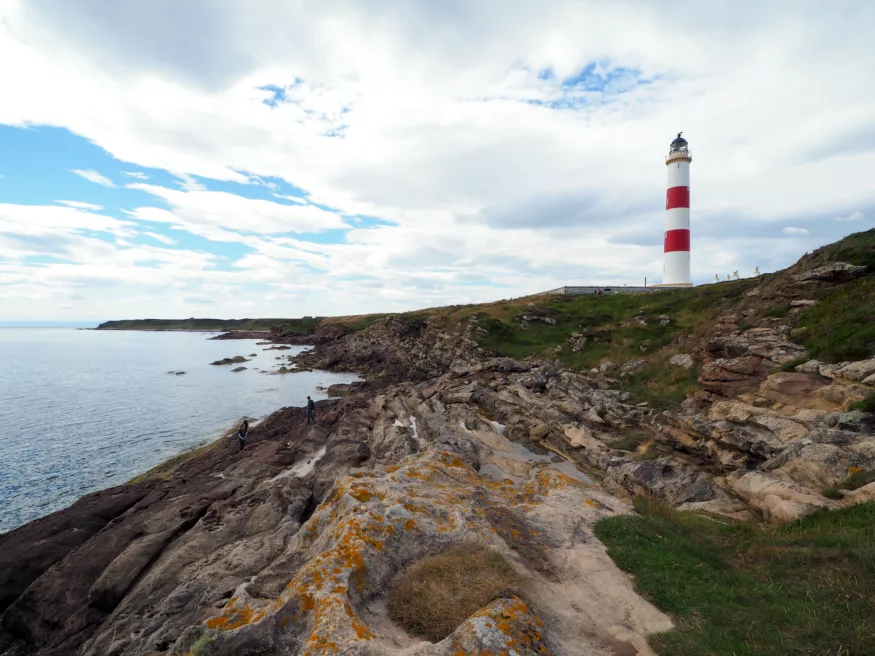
(82, 410)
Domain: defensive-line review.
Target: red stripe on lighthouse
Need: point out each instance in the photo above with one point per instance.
(677, 240)
(677, 197)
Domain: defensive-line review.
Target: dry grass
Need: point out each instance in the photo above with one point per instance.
(438, 593)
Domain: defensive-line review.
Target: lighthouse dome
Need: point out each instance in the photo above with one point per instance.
(678, 144)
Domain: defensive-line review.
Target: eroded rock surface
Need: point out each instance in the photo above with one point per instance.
(291, 545)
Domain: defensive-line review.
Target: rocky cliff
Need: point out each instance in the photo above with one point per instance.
(296, 544)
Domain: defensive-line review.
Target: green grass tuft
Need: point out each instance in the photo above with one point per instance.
(866, 405)
(203, 646)
(802, 588)
(853, 481)
(792, 364)
(842, 326)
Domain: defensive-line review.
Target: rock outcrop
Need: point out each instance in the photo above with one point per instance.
(237, 359)
(292, 545)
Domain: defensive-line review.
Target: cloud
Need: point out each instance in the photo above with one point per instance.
(856, 215)
(790, 230)
(500, 151)
(164, 239)
(136, 174)
(80, 205)
(94, 176)
(209, 213)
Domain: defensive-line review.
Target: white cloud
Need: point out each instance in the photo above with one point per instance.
(80, 205)
(197, 210)
(136, 174)
(856, 215)
(164, 239)
(454, 125)
(94, 176)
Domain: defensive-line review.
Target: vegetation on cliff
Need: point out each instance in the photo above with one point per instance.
(438, 593)
(798, 588)
(303, 325)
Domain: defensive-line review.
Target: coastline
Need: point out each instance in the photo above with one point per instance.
(300, 538)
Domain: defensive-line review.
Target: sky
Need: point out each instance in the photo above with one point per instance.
(292, 157)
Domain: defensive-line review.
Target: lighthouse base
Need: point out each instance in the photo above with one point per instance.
(676, 268)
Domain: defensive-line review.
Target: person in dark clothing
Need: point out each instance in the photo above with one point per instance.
(242, 433)
(310, 407)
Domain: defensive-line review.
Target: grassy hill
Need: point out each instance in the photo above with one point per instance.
(582, 332)
(303, 325)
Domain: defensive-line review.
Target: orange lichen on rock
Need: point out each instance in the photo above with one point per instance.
(360, 494)
(233, 617)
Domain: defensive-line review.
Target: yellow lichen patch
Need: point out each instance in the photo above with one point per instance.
(233, 617)
(360, 494)
(392, 468)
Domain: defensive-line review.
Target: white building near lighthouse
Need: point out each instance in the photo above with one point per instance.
(676, 251)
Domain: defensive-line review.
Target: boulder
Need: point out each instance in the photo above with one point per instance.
(860, 495)
(539, 431)
(855, 371)
(339, 389)
(778, 500)
(684, 360)
(834, 272)
(607, 367)
(731, 377)
(237, 359)
(236, 369)
(633, 367)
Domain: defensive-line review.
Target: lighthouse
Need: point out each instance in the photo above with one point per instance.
(676, 262)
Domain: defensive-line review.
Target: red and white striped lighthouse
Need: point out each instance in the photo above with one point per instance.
(676, 263)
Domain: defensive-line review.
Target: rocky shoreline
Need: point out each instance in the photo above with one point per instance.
(292, 545)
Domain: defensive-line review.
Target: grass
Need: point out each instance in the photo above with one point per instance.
(304, 325)
(203, 646)
(778, 311)
(853, 481)
(858, 249)
(613, 333)
(842, 326)
(663, 386)
(866, 405)
(434, 596)
(805, 588)
(791, 365)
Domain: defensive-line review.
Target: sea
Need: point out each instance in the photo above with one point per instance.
(83, 410)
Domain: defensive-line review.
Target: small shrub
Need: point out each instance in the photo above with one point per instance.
(777, 311)
(792, 364)
(866, 405)
(203, 646)
(437, 594)
(853, 481)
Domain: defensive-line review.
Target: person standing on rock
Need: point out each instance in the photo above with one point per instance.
(310, 408)
(242, 433)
